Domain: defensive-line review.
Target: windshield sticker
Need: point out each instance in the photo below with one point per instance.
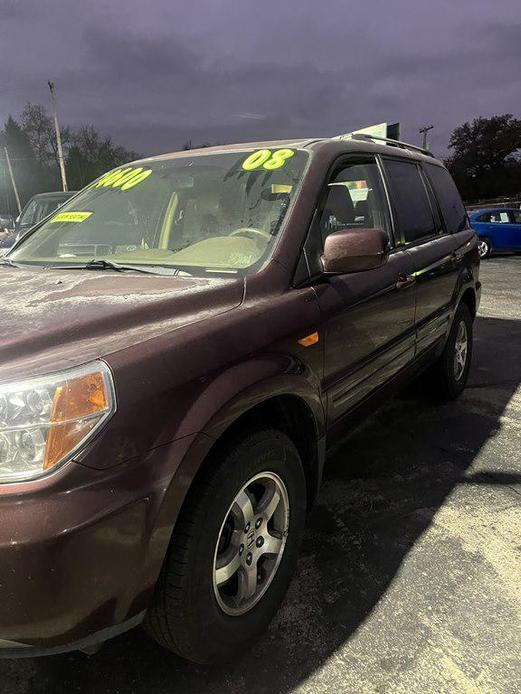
(70, 217)
(241, 259)
(124, 179)
(267, 159)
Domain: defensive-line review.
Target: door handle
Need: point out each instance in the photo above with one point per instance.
(405, 281)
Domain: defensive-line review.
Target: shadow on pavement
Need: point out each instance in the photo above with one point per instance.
(493, 477)
(381, 491)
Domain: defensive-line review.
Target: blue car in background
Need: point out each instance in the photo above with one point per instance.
(498, 228)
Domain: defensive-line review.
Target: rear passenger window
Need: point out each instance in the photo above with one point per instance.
(449, 199)
(497, 217)
(413, 210)
(355, 199)
(501, 218)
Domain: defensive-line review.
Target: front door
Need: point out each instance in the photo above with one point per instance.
(367, 317)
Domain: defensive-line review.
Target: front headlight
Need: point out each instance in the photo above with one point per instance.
(44, 421)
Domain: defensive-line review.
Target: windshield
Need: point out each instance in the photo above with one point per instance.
(202, 213)
(38, 209)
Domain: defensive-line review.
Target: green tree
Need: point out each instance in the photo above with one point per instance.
(23, 162)
(485, 162)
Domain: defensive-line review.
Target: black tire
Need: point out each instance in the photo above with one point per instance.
(447, 383)
(484, 247)
(185, 616)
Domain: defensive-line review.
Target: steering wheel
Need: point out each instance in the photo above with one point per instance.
(244, 231)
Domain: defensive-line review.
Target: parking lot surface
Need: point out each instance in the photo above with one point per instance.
(410, 573)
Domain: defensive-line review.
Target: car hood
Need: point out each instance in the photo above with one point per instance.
(54, 319)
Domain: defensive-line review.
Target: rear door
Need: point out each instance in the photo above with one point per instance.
(430, 246)
(454, 220)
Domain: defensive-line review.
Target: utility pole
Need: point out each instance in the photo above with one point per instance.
(58, 136)
(424, 131)
(12, 180)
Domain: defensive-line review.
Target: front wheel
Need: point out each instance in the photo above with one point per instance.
(484, 248)
(233, 551)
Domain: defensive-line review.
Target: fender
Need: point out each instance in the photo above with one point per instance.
(243, 386)
(467, 278)
(186, 455)
(467, 254)
(224, 414)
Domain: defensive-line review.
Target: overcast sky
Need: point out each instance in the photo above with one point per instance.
(154, 73)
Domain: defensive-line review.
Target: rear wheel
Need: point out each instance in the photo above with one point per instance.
(233, 551)
(484, 248)
(452, 370)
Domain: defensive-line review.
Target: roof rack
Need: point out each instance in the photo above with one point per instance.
(394, 143)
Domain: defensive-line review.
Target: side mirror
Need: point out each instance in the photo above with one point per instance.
(354, 250)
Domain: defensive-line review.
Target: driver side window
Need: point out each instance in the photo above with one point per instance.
(355, 199)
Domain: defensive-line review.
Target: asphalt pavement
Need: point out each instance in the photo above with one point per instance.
(410, 574)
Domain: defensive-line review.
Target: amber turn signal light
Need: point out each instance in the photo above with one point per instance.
(309, 340)
(77, 406)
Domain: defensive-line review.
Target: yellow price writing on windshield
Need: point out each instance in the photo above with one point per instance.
(267, 159)
(124, 179)
(70, 217)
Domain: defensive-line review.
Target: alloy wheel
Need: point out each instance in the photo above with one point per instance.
(483, 249)
(460, 350)
(251, 543)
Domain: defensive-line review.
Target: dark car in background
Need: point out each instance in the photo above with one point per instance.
(87, 240)
(38, 207)
(6, 222)
(167, 400)
(6, 226)
(498, 229)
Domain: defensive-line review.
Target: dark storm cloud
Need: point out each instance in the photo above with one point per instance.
(153, 75)
(10, 9)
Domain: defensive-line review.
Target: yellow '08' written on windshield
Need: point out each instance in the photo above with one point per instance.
(124, 179)
(267, 159)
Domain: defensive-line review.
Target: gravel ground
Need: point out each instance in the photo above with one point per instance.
(410, 575)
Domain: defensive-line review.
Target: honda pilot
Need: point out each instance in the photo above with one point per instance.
(180, 345)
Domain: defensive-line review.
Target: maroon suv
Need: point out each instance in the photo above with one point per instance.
(180, 344)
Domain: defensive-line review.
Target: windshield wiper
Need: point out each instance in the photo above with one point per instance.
(9, 262)
(101, 265)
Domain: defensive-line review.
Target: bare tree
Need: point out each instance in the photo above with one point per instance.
(39, 128)
(91, 154)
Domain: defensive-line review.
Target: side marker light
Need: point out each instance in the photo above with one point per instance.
(309, 340)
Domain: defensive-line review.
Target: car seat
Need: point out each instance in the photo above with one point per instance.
(339, 211)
